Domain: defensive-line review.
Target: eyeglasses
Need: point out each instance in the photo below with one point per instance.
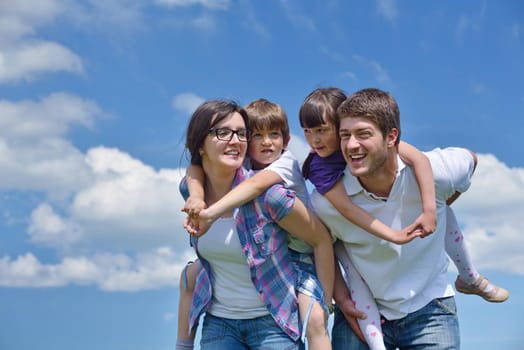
(226, 134)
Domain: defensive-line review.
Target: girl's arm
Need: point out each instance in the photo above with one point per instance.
(338, 197)
(302, 223)
(247, 190)
(427, 221)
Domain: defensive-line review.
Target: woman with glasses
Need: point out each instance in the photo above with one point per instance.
(246, 283)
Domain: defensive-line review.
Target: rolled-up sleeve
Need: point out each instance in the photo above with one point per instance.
(452, 169)
(278, 202)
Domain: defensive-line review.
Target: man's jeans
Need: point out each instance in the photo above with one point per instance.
(435, 326)
(257, 333)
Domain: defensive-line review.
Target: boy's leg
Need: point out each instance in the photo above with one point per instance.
(314, 320)
(185, 337)
(469, 281)
(363, 299)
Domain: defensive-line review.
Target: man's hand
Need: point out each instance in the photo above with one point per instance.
(351, 314)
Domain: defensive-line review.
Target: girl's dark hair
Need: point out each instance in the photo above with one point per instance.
(207, 115)
(319, 107)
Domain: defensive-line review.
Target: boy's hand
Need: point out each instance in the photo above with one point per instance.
(193, 206)
(198, 224)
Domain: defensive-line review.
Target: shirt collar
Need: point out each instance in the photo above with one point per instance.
(353, 186)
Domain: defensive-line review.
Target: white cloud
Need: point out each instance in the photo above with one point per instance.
(471, 23)
(51, 165)
(491, 212)
(254, 24)
(478, 88)
(50, 229)
(169, 316)
(128, 192)
(33, 153)
(463, 25)
(210, 4)
(187, 102)
(28, 61)
(379, 72)
(387, 9)
(23, 57)
(108, 16)
(152, 269)
(491, 227)
(516, 31)
(297, 18)
(104, 198)
(126, 205)
(21, 17)
(51, 116)
(298, 147)
(352, 77)
(333, 55)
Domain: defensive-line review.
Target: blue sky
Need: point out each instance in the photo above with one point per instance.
(95, 96)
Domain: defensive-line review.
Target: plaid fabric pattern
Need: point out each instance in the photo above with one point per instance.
(264, 245)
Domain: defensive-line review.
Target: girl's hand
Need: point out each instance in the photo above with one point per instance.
(405, 235)
(426, 223)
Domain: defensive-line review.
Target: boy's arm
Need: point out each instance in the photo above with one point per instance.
(247, 190)
(338, 197)
(195, 179)
(304, 224)
(426, 184)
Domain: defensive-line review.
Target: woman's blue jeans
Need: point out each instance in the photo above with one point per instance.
(260, 333)
(434, 327)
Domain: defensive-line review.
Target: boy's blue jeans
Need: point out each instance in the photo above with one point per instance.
(261, 333)
(435, 326)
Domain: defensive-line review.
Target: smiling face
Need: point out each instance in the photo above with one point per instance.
(223, 155)
(265, 147)
(364, 147)
(323, 139)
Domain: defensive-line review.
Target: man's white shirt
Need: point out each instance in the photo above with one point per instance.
(402, 278)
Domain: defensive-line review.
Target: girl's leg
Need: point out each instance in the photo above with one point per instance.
(458, 251)
(363, 299)
(469, 281)
(186, 337)
(314, 319)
